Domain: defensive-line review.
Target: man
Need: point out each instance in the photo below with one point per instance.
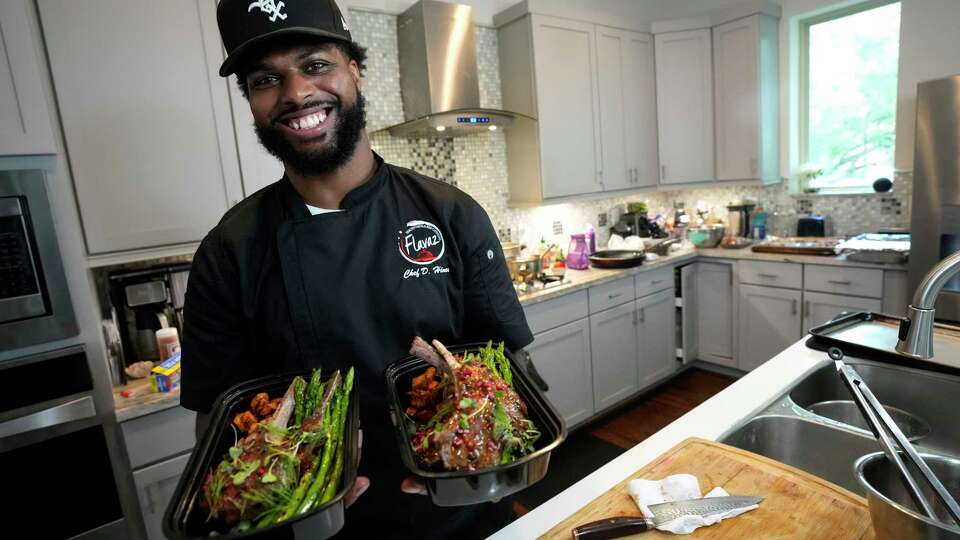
(342, 261)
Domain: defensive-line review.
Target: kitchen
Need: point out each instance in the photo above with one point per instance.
(668, 114)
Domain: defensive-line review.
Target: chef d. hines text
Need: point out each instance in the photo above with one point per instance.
(421, 243)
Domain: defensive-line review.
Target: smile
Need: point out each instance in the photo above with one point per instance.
(308, 121)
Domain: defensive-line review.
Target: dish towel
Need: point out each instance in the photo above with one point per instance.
(678, 487)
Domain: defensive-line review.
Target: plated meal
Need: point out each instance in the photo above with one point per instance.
(466, 412)
(290, 459)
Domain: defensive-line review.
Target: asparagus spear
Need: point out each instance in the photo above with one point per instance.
(325, 484)
(299, 396)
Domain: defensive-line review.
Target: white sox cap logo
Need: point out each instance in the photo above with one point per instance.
(270, 7)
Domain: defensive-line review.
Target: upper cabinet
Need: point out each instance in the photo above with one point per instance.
(590, 90)
(146, 118)
(25, 126)
(685, 106)
(747, 99)
(627, 108)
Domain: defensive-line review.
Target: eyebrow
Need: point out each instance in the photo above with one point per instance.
(263, 65)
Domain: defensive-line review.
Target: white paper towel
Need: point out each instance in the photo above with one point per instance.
(678, 487)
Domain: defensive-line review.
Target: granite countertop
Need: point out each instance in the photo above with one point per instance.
(143, 402)
(574, 280)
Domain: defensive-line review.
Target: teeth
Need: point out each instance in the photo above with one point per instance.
(309, 121)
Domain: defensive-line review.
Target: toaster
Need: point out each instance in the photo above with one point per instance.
(812, 225)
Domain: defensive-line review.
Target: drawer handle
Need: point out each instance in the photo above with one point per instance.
(654, 282)
(643, 317)
(612, 296)
(838, 282)
(771, 276)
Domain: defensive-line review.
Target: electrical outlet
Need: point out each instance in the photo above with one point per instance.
(557, 227)
(602, 219)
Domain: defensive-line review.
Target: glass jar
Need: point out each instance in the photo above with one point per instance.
(578, 254)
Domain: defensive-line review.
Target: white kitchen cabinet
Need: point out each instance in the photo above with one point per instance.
(559, 154)
(715, 313)
(745, 68)
(25, 126)
(155, 486)
(770, 321)
(625, 76)
(562, 357)
(656, 337)
(151, 144)
(819, 308)
(684, 76)
(258, 168)
(613, 339)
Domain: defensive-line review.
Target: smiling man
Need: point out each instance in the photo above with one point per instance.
(342, 261)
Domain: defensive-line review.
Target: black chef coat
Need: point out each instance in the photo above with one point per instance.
(274, 289)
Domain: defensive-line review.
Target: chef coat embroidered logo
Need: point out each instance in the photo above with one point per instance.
(270, 7)
(420, 243)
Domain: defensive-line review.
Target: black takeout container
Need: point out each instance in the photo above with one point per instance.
(186, 519)
(461, 488)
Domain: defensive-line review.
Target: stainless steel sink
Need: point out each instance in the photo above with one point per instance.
(791, 431)
(819, 449)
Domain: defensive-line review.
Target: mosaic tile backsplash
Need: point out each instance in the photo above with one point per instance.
(477, 164)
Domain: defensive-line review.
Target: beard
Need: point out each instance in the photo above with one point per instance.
(342, 144)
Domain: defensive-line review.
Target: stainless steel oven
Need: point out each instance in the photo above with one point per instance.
(34, 302)
(54, 450)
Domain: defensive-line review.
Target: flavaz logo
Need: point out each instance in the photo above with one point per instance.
(420, 242)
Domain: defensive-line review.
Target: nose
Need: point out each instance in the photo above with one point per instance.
(297, 89)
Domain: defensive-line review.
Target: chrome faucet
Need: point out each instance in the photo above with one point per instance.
(916, 332)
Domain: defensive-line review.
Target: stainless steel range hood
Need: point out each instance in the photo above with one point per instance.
(438, 73)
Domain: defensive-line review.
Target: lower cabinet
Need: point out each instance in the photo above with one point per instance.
(770, 321)
(819, 308)
(562, 357)
(656, 337)
(613, 336)
(155, 486)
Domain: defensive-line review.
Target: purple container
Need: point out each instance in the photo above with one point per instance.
(578, 254)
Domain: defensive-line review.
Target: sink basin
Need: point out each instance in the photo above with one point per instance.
(819, 449)
(811, 427)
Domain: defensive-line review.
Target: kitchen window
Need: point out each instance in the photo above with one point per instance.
(848, 97)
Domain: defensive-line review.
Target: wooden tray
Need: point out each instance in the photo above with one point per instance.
(796, 505)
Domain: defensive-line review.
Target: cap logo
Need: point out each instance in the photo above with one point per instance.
(344, 23)
(270, 7)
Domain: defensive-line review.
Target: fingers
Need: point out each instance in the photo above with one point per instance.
(356, 490)
(413, 486)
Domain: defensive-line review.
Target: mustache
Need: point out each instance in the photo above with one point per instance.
(276, 118)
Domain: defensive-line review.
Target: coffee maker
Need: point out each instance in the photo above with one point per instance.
(143, 302)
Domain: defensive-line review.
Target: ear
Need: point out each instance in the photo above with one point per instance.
(355, 73)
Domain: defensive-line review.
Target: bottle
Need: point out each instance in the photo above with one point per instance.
(590, 235)
(168, 343)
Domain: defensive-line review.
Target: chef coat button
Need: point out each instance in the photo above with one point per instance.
(490, 254)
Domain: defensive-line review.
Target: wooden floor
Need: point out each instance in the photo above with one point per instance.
(631, 424)
(651, 413)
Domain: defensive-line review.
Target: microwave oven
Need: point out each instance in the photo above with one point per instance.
(35, 303)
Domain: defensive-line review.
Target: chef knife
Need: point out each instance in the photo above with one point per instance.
(662, 513)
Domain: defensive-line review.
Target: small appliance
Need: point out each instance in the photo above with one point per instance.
(812, 225)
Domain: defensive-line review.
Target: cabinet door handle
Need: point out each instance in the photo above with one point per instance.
(838, 282)
(599, 176)
(636, 175)
(663, 172)
(771, 276)
(806, 309)
(793, 308)
(654, 282)
(643, 316)
(634, 317)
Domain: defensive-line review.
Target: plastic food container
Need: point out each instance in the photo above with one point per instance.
(186, 519)
(461, 488)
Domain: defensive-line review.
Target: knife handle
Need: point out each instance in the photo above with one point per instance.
(612, 528)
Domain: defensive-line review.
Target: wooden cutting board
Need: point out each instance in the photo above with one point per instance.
(796, 504)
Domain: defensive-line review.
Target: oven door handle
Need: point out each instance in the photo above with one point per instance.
(76, 409)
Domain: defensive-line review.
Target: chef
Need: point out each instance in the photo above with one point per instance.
(342, 261)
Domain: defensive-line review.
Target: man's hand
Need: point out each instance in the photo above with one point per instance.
(413, 486)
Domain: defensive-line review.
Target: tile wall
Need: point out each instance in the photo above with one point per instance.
(477, 163)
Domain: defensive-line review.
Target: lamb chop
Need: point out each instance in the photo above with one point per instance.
(478, 420)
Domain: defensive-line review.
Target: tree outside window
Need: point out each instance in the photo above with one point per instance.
(851, 96)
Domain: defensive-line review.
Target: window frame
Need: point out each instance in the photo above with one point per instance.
(803, 114)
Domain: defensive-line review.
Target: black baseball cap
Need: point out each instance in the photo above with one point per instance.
(244, 24)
